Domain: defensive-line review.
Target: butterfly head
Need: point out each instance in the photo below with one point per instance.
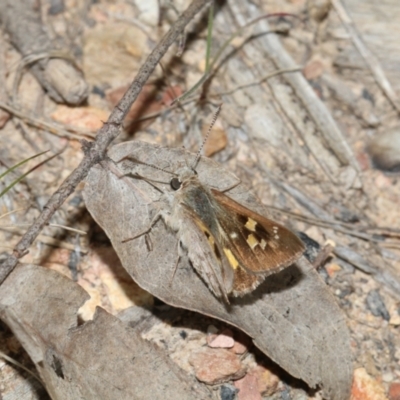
(183, 178)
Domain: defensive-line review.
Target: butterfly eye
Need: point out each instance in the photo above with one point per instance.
(175, 183)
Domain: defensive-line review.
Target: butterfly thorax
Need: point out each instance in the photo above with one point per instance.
(195, 197)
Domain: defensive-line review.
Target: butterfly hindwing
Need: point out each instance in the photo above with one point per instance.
(206, 255)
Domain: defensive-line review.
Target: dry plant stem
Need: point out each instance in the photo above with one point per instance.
(64, 131)
(166, 109)
(96, 151)
(322, 216)
(260, 81)
(338, 226)
(49, 241)
(67, 228)
(366, 54)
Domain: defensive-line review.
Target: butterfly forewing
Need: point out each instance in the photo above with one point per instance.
(258, 244)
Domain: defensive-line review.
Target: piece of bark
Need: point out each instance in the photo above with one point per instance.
(101, 359)
(21, 19)
(292, 317)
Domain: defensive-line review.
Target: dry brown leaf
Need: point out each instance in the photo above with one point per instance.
(100, 359)
(292, 317)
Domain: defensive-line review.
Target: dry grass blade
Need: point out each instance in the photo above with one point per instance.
(12, 184)
(19, 365)
(21, 163)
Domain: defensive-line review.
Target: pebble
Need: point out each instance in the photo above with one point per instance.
(248, 388)
(214, 366)
(267, 381)
(228, 392)
(223, 340)
(376, 305)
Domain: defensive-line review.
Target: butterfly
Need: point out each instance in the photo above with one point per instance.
(231, 247)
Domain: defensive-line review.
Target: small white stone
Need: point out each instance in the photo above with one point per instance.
(387, 377)
(149, 11)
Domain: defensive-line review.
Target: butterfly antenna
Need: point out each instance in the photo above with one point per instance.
(198, 155)
(147, 165)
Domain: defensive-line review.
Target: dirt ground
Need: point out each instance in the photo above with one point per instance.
(309, 121)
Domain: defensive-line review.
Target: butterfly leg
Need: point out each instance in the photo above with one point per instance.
(147, 230)
(231, 187)
(177, 262)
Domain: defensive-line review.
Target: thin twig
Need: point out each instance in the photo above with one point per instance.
(47, 240)
(259, 81)
(66, 228)
(366, 54)
(64, 131)
(338, 226)
(96, 151)
(12, 212)
(33, 58)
